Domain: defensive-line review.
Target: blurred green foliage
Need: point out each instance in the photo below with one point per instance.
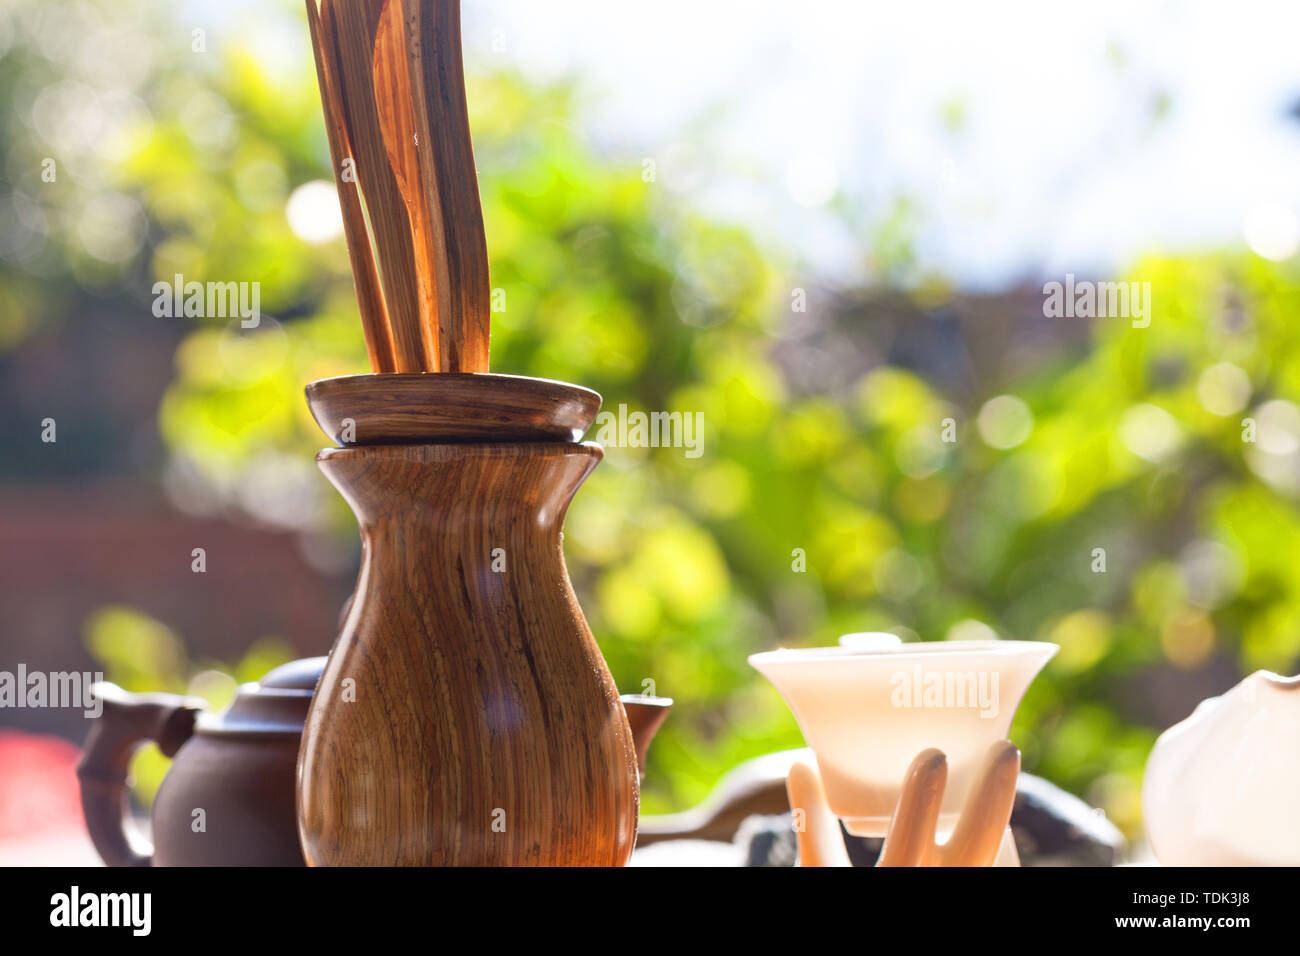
(1133, 444)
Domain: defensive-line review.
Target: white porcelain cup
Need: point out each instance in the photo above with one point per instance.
(868, 708)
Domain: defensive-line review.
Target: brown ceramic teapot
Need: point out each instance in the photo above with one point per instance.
(228, 799)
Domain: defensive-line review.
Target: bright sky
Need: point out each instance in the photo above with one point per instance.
(763, 111)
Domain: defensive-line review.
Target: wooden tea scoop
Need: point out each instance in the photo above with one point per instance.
(392, 83)
(399, 103)
(420, 93)
(450, 183)
(354, 24)
(370, 296)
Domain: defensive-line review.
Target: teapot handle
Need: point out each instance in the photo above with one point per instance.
(127, 721)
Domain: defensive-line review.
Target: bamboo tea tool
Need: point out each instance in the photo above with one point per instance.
(982, 836)
(465, 714)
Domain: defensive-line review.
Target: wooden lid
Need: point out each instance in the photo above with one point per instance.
(442, 407)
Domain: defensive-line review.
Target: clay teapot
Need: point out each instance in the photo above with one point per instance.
(228, 798)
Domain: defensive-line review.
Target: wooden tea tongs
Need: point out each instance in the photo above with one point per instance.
(393, 90)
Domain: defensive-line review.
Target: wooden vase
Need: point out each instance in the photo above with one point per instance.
(465, 715)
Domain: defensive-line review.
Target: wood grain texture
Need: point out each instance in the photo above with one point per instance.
(392, 85)
(450, 181)
(450, 407)
(354, 24)
(480, 694)
(370, 295)
(400, 103)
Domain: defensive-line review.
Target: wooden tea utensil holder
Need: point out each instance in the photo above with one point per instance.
(465, 715)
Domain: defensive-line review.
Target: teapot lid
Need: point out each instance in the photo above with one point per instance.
(276, 704)
(302, 674)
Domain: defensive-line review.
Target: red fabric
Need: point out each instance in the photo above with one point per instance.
(38, 785)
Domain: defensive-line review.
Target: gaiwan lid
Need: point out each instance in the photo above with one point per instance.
(276, 704)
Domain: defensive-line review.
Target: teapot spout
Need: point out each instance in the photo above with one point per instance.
(645, 715)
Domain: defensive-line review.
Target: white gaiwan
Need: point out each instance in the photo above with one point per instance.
(1222, 788)
(868, 707)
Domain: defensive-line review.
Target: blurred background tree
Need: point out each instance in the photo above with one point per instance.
(824, 423)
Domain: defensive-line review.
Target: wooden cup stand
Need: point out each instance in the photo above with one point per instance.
(465, 715)
(982, 836)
